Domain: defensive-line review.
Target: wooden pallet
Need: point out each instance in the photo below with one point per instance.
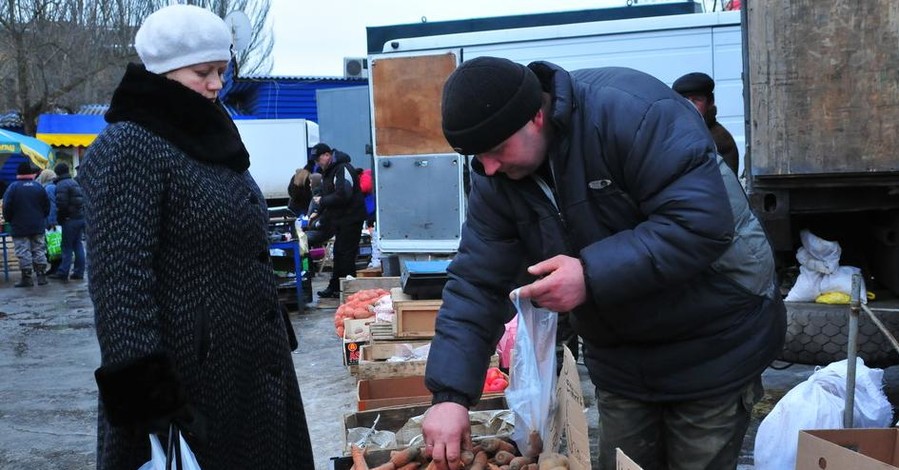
(11, 260)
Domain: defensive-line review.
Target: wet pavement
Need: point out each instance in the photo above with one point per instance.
(48, 353)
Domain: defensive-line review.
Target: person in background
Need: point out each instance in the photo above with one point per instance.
(186, 305)
(26, 207)
(367, 185)
(699, 89)
(47, 179)
(299, 190)
(70, 214)
(601, 188)
(341, 212)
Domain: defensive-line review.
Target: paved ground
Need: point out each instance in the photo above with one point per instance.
(48, 353)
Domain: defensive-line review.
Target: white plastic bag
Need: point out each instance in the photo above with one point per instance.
(817, 253)
(158, 459)
(820, 271)
(818, 403)
(532, 382)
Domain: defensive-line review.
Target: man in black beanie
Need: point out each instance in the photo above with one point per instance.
(26, 207)
(599, 193)
(699, 88)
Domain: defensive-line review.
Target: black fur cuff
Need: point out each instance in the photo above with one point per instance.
(139, 392)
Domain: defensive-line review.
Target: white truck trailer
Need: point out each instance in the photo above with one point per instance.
(277, 148)
(422, 183)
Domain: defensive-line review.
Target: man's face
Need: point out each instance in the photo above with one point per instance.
(518, 156)
(324, 160)
(701, 102)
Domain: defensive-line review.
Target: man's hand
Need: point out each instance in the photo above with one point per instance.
(447, 431)
(561, 287)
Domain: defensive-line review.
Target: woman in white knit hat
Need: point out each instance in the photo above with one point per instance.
(187, 313)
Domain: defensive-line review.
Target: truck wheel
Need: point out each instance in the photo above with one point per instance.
(817, 334)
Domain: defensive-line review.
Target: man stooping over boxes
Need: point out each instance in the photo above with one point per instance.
(604, 185)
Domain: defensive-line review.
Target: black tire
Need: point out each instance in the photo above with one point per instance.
(817, 334)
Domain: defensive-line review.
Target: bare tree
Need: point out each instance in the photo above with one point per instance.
(60, 54)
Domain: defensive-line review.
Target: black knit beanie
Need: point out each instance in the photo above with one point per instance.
(485, 101)
(61, 169)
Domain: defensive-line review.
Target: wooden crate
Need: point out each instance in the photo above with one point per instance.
(414, 318)
(383, 350)
(368, 370)
(383, 331)
(351, 286)
(394, 418)
(11, 261)
(368, 272)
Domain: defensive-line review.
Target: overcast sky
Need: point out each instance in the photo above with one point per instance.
(312, 38)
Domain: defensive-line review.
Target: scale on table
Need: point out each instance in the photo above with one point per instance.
(423, 279)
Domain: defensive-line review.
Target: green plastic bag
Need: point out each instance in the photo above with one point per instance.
(54, 244)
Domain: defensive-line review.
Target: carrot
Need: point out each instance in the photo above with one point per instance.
(493, 445)
(519, 463)
(467, 457)
(534, 445)
(385, 466)
(410, 466)
(358, 454)
(503, 457)
(480, 461)
(403, 457)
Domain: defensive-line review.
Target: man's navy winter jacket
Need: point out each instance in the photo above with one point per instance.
(26, 206)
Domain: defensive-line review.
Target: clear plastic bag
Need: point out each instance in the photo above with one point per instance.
(532, 382)
(182, 457)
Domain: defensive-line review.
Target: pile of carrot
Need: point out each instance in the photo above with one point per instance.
(492, 453)
(358, 306)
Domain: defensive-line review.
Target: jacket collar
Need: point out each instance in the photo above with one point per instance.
(199, 127)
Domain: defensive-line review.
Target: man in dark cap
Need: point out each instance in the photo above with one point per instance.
(70, 214)
(340, 212)
(699, 88)
(599, 193)
(26, 207)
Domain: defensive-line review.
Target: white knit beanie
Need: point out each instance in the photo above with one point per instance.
(181, 35)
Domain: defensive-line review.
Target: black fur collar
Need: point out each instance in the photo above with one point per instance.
(200, 128)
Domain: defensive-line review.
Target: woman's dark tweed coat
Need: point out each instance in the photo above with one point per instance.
(179, 269)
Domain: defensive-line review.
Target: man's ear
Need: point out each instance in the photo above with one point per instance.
(539, 119)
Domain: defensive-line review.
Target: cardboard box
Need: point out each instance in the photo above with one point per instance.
(856, 449)
(571, 418)
(355, 335)
(414, 318)
(623, 462)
